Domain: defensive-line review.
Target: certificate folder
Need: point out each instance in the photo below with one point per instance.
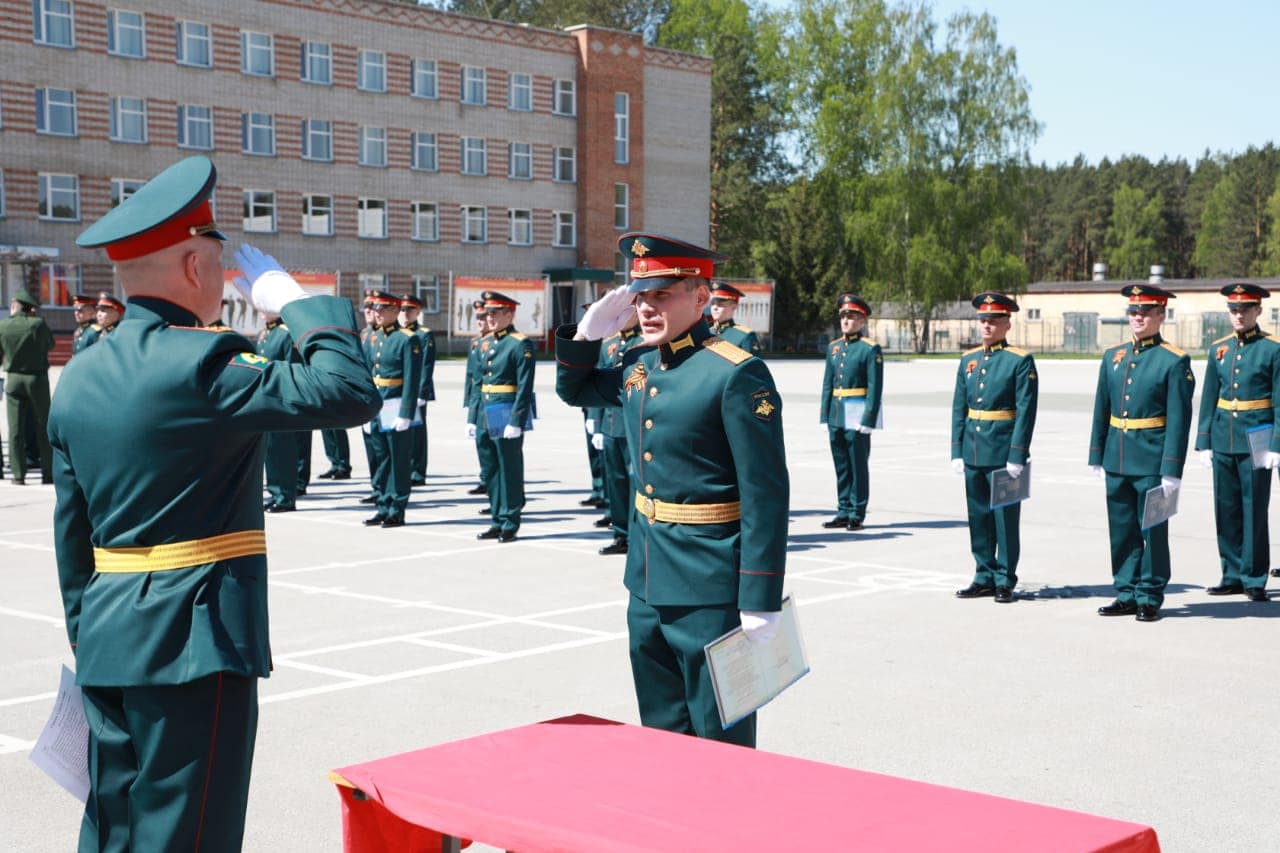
(1259, 443)
(1006, 490)
(746, 674)
(1157, 508)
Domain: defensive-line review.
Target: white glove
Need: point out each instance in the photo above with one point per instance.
(1097, 471)
(421, 402)
(1169, 484)
(590, 425)
(1014, 469)
(1206, 458)
(957, 467)
(401, 424)
(597, 441)
(471, 431)
(273, 288)
(760, 627)
(367, 428)
(1272, 460)
(510, 431)
(866, 430)
(243, 288)
(613, 312)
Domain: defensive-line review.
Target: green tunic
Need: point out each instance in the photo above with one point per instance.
(854, 364)
(84, 337)
(427, 393)
(503, 388)
(25, 342)
(395, 357)
(281, 469)
(738, 335)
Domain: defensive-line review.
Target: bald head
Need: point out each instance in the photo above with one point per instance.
(188, 274)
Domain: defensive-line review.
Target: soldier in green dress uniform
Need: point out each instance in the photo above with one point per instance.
(724, 304)
(281, 464)
(1240, 400)
(161, 554)
(471, 400)
(617, 353)
(25, 342)
(852, 385)
(395, 357)
(503, 389)
(703, 423)
(1141, 420)
(110, 310)
(993, 414)
(410, 310)
(86, 310)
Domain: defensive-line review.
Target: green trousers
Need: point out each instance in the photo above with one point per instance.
(337, 448)
(487, 455)
(303, 439)
(506, 483)
(849, 452)
(1139, 558)
(26, 397)
(282, 467)
(673, 684)
(993, 533)
(392, 457)
(596, 463)
(617, 483)
(169, 765)
(1241, 495)
(418, 465)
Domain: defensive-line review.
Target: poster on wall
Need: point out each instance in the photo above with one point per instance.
(755, 309)
(242, 316)
(531, 293)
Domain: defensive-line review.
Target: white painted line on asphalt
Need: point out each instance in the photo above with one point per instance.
(26, 532)
(25, 546)
(57, 621)
(13, 744)
(320, 670)
(396, 558)
(453, 647)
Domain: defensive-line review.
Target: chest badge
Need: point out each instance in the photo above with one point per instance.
(1222, 350)
(635, 380)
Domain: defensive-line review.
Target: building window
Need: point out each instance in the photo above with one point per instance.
(1169, 314)
(474, 161)
(565, 166)
(122, 188)
(195, 127)
(373, 146)
(372, 71)
(520, 92)
(425, 153)
(473, 85)
(195, 47)
(58, 283)
(475, 224)
(126, 34)
(317, 215)
(128, 120)
(564, 100)
(520, 161)
(426, 79)
(620, 269)
(317, 63)
(371, 218)
(317, 140)
(621, 127)
(372, 281)
(1033, 314)
(564, 235)
(56, 112)
(521, 227)
(426, 221)
(53, 23)
(59, 197)
(259, 211)
(621, 206)
(427, 289)
(258, 134)
(257, 54)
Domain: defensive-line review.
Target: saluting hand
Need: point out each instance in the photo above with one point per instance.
(272, 287)
(611, 313)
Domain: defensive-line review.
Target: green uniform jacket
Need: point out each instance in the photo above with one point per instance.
(158, 438)
(618, 352)
(83, 337)
(1002, 379)
(508, 360)
(1239, 367)
(704, 425)
(470, 387)
(738, 335)
(275, 343)
(853, 361)
(427, 339)
(1142, 379)
(394, 354)
(25, 342)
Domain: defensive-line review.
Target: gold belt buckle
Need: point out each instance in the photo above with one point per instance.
(648, 509)
(1124, 424)
(1235, 405)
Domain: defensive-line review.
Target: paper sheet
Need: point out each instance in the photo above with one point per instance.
(747, 674)
(62, 750)
(391, 410)
(855, 408)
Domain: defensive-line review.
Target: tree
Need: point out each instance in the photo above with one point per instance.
(637, 16)
(1136, 230)
(1223, 247)
(1270, 264)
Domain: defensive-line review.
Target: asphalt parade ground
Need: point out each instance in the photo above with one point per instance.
(386, 641)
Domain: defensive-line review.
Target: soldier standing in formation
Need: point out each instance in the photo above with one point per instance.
(617, 353)
(410, 310)
(395, 357)
(281, 464)
(86, 309)
(1141, 420)
(852, 385)
(724, 304)
(109, 312)
(1241, 396)
(25, 342)
(366, 334)
(471, 401)
(993, 414)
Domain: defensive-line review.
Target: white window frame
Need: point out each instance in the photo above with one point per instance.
(475, 214)
(364, 218)
(430, 212)
(44, 114)
(122, 107)
(311, 53)
(185, 123)
(565, 163)
(253, 200)
(1169, 313)
(473, 77)
(621, 206)
(69, 276)
(522, 84)
(249, 124)
(477, 147)
(564, 98)
(310, 215)
(312, 130)
(621, 127)
(373, 146)
(519, 227)
(520, 152)
(564, 219)
(43, 11)
(1033, 315)
(186, 39)
(46, 190)
(122, 188)
(427, 289)
(372, 281)
(424, 142)
(424, 79)
(115, 28)
(369, 61)
(249, 53)
(621, 269)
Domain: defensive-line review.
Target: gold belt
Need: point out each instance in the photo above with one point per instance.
(387, 383)
(656, 510)
(1244, 405)
(992, 414)
(848, 392)
(498, 389)
(180, 555)
(1137, 423)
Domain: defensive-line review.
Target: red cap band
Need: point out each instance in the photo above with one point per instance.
(193, 223)
(653, 267)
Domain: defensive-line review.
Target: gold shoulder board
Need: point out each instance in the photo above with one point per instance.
(1171, 348)
(519, 336)
(726, 350)
(1224, 338)
(870, 342)
(970, 351)
(410, 332)
(1018, 351)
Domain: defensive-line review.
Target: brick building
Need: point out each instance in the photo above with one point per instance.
(373, 142)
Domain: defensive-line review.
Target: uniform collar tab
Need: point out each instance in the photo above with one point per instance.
(1146, 343)
(998, 345)
(683, 346)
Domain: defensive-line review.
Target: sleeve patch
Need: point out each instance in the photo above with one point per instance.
(249, 359)
(763, 404)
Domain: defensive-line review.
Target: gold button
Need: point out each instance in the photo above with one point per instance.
(648, 490)
(648, 424)
(977, 429)
(1126, 396)
(653, 392)
(648, 457)
(1130, 381)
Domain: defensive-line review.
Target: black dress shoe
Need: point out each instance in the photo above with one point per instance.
(282, 508)
(1004, 594)
(369, 499)
(855, 524)
(1226, 589)
(975, 590)
(484, 511)
(46, 481)
(267, 505)
(1256, 594)
(341, 475)
(1275, 573)
(588, 502)
(327, 475)
(600, 503)
(618, 546)
(478, 490)
(491, 533)
(602, 522)
(1118, 608)
(507, 536)
(417, 481)
(393, 521)
(18, 482)
(1148, 613)
(374, 520)
(836, 522)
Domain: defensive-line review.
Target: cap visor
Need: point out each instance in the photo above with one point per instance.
(640, 285)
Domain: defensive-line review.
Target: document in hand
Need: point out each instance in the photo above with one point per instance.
(747, 674)
(390, 411)
(1007, 490)
(1157, 508)
(855, 408)
(1259, 443)
(62, 750)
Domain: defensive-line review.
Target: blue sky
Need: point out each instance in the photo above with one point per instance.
(1160, 79)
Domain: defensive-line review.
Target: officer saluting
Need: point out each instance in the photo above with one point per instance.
(395, 357)
(993, 414)
(724, 304)
(85, 308)
(1141, 419)
(1241, 395)
(704, 433)
(854, 373)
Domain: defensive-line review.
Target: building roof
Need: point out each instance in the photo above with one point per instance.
(1177, 285)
